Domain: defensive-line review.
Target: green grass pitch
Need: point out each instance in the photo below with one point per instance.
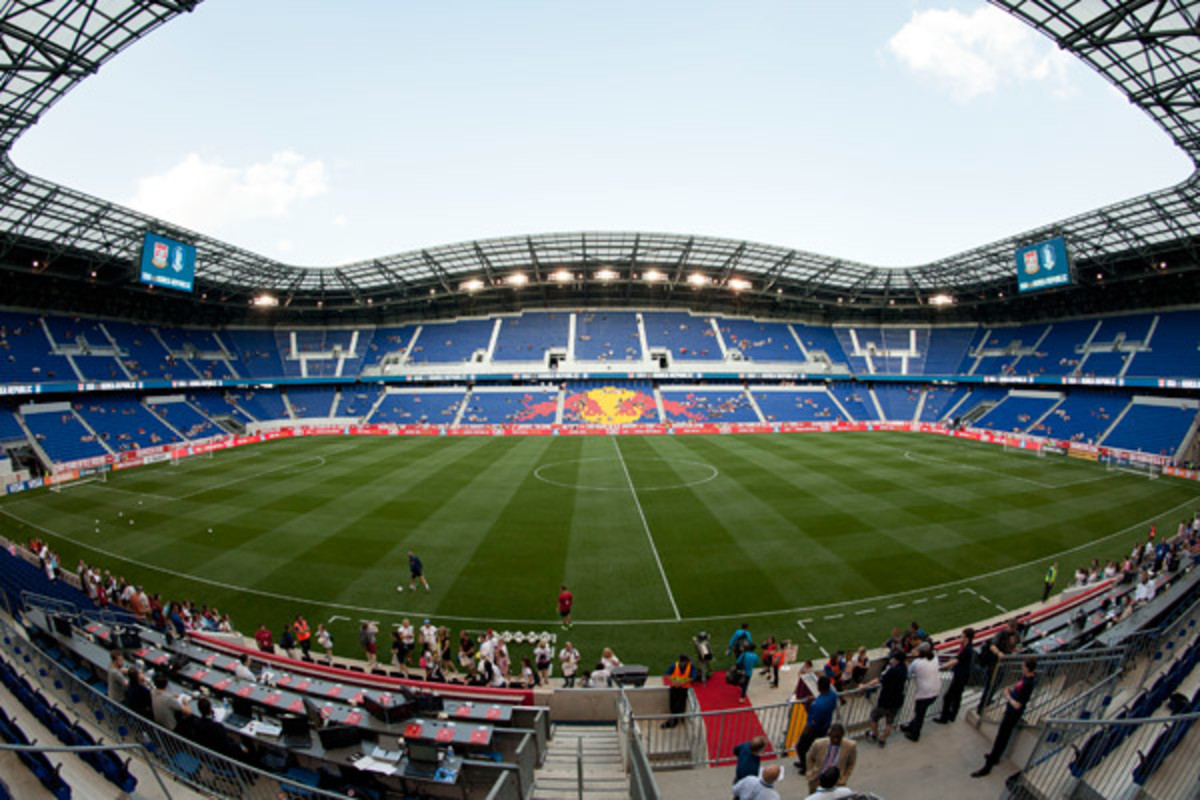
(658, 537)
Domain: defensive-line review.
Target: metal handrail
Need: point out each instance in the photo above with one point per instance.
(90, 748)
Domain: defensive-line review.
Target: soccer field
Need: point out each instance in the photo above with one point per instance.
(657, 536)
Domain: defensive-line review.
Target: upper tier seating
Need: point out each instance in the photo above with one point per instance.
(708, 405)
(1058, 353)
(797, 406)
(899, 403)
(76, 332)
(1174, 348)
(189, 340)
(531, 407)
(1015, 413)
(10, 429)
(386, 342)
(257, 351)
(946, 353)
(419, 408)
(99, 368)
(607, 336)
(685, 337)
(144, 356)
(760, 341)
(1003, 346)
(25, 352)
(451, 342)
(63, 436)
(124, 423)
(187, 420)
(1081, 417)
(529, 336)
(311, 401)
(820, 338)
(1152, 429)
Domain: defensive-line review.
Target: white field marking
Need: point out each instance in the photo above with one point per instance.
(811, 638)
(806, 619)
(918, 457)
(713, 474)
(920, 600)
(649, 536)
(399, 613)
(108, 488)
(895, 605)
(992, 603)
(864, 611)
(824, 652)
(336, 617)
(941, 596)
(834, 616)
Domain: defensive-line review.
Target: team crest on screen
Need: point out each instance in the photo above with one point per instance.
(1031, 262)
(159, 259)
(177, 260)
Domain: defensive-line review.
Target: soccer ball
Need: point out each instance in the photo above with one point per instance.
(399, 588)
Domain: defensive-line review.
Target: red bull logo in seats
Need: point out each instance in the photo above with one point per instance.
(546, 409)
(610, 405)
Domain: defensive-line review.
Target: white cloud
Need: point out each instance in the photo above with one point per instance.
(340, 221)
(206, 194)
(976, 54)
(284, 245)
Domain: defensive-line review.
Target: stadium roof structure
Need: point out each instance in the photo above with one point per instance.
(1148, 49)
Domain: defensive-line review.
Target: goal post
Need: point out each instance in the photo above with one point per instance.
(98, 476)
(1142, 469)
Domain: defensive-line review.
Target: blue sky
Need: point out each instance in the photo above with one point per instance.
(882, 131)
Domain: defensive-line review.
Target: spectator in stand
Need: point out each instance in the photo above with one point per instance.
(924, 671)
(445, 650)
(1145, 590)
(679, 678)
(137, 693)
(960, 667)
(1016, 698)
(773, 656)
(859, 667)
(408, 640)
(262, 637)
(831, 752)
(529, 678)
(466, 651)
(600, 677)
(166, 706)
(1002, 644)
(820, 717)
(118, 680)
(749, 757)
(569, 657)
(891, 682)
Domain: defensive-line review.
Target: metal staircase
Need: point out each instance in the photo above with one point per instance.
(582, 761)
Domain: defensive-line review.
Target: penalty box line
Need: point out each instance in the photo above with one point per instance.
(646, 527)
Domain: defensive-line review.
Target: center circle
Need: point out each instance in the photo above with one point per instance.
(688, 473)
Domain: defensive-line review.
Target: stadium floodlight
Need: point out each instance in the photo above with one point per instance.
(653, 276)
(697, 279)
(738, 284)
(562, 276)
(265, 300)
(941, 300)
(471, 285)
(517, 279)
(606, 275)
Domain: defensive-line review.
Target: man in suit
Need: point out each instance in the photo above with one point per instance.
(833, 750)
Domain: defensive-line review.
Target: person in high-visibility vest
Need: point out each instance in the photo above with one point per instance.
(1051, 577)
(679, 678)
(303, 635)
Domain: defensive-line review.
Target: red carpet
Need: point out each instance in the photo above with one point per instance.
(725, 731)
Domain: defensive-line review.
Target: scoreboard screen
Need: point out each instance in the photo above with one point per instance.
(1043, 265)
(166, 262)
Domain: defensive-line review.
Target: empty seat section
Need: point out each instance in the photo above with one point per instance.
(946, 353)
(855, 400)
(1174, 348)
(1081, 417)
(386, 342)
(310, 401)
(352, 362)
(854, 358)
(451, 342)
(187, 420)
(820, 339)
(1104, 364)
(1060, 353)
(76, 332)
(760, 341)
(124, 424)
(356, 402)
(419, 408)
(10, 429)
(940, 400)
(529, 336)
(143, 355)
(528, 407)
(797, 406)
(609, 403)
(1152, 429)
(63, 436)
(215, 405)
(685, 337)
(99, 368)
(257, 352)
(1015, 413)
(707, 405)
(607, 336)
(899, 403)
(189, 341)
(262, 404)
(1002, 348)
(25, 352)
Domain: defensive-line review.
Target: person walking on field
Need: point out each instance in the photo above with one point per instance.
(1051, 577)
(565, 601)
(416, 572)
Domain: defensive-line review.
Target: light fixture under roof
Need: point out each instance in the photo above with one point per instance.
(606, 275)
(941, 300)
(738, 284)
(562, 276)
(653, 276)
(517, 279)
(265, 300)
(471, 285)
(697, 279)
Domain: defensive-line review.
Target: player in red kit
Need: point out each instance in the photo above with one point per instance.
(565, 600)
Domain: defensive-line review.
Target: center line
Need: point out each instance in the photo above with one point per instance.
(646, 527)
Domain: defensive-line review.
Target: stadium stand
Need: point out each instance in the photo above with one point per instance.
(356, 402)
(310, 401)
(452, 342)
(607, 336)
(856, 399)
(820, 340)
(25, 352)
(760, 341)
(386, 343)
(123, 423)
(76, 332)
(1174, 349)
(946, 353)
(187, 420)
(1152, 427)
(215, 406)
(418, 408)
(1017, 412)
(528, 407)
(1061, 351)
(609, 403)
(685, 337)
(707, 404)
(99, 368)
(899, 403)
(941, 401)
(796, 405)
(260, 404)
(257, 352)
(62, 435)
(10, 429)
(530, 336)
(1082, 416)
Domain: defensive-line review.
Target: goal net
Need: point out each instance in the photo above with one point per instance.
(96, 477)
(1139, 468)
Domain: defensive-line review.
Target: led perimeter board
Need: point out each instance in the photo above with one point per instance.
(1043, 265)
(166, 262)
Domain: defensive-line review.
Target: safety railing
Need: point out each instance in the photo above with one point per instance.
(1060, 677)
(642, 785)
(81, 749)
(1152, 759)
